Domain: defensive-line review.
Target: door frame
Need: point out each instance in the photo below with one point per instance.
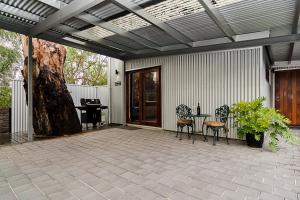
(159, 103)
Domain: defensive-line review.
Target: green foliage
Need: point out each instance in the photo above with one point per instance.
(10, 54)
(253, 118)
(85, 67)
(7, 58)
(5, 97)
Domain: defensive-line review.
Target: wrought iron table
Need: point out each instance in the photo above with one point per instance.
(194, 117)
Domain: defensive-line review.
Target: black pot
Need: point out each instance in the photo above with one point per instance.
(252, 142)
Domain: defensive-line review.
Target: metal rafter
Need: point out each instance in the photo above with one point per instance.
(54, 3)
(231, 45)
(103, 24)
(269, 54)
(115, 29)
(91, 37)
(54, 37)
(218, 18)
(35, 18)
(74, 8)
(294, 29)
(139, 11)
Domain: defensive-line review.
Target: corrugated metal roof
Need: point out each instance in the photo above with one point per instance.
(32, 6)
(130, 22)
(155, 35)
(99, 32)
(280, 51)
(76, 23)
(172, 9)
(185, 16)
(110, 9)
(105, 11)
(197, 27)
(246, 16)
(125, 41)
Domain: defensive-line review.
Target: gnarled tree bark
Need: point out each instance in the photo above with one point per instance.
(54, 112)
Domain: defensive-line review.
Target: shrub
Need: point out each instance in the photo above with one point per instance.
(5, 97)
(253, 118)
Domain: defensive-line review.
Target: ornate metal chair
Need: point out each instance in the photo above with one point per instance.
(183, 114)
(221, 117)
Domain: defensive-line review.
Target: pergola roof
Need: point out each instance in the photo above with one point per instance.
(141, 28)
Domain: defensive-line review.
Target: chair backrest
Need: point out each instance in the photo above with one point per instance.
(182, 111)
(222, 113)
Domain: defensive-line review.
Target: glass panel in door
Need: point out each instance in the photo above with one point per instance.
(135, 97)
(150, 95)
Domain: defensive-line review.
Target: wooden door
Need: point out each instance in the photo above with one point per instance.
(143, 97)
(287, 94)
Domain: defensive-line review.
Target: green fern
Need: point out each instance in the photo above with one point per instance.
(253, 118)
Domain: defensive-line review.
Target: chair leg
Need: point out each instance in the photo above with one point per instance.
(177, 131)
(214, 140)
(188, 130)
(180, 138)
(205, 137)
(217, 135)
(193, 134)
(227, 136)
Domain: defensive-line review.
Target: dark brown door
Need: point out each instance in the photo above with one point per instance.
(287, 94)
(143, 97)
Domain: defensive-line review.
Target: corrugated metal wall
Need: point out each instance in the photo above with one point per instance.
(19, 107)
(211, 78)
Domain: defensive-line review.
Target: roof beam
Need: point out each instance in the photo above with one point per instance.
(269, 54)
(115, 29)
(103, 24)
(76, 43)
(66, 29)
(74, 8)
(87, 46)
(54, 3)
(218, 18)
(94, 38)
(139, 11)
(294, 29)
(230, 45)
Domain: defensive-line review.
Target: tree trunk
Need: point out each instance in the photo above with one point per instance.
(54, 112)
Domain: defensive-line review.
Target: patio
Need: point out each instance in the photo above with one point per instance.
(145, 164)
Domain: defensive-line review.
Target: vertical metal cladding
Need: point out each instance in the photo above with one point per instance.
(19, 107)
(211, 78)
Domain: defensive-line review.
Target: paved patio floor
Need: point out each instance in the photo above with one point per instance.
(145, 164)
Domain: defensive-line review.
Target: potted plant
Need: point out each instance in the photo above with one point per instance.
(253, 121)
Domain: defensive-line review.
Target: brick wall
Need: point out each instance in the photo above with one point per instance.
(4, 120)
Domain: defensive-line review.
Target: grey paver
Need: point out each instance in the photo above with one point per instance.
(119, 164)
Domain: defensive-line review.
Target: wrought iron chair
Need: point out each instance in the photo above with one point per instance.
(221, 117)
(183, 114)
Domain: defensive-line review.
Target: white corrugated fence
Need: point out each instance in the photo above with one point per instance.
(19, 107)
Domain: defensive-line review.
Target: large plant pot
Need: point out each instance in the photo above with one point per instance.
(252, 142)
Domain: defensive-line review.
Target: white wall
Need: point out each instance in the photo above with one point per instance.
(117, 92)
(265, 86)
(210, 78)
